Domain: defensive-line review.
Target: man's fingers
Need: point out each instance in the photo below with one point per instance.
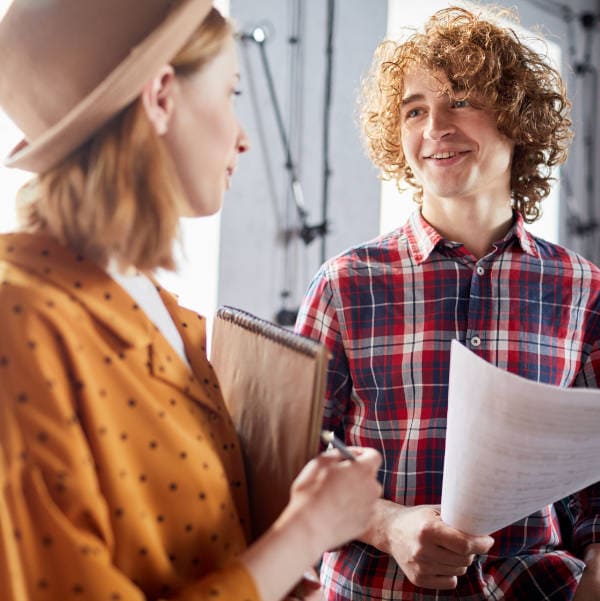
(441, 556)
(440, 569)
(460, 543)
(435, 582)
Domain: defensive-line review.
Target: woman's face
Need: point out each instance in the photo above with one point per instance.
(204, 136)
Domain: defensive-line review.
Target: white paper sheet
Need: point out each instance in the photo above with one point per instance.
(513, 446)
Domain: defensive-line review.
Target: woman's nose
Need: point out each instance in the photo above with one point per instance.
(243, 142)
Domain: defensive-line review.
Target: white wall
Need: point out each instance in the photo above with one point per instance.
(253, 266)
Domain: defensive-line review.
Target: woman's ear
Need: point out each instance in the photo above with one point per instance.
(159, 100)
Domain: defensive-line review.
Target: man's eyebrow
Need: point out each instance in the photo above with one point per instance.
(412, 98)
(457, 92)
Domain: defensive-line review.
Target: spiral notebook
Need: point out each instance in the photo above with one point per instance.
(273, 382)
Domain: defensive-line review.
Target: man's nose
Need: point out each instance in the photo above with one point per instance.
(439, 124)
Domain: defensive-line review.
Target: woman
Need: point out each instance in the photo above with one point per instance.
(121, 473)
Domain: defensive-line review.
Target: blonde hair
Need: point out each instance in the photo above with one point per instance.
(118, 197)
(493, 68)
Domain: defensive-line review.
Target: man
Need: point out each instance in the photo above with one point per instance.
(473, 120)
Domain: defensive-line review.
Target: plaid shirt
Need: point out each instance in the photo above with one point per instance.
(388, 310)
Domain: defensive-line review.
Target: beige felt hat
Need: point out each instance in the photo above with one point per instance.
(68, 66)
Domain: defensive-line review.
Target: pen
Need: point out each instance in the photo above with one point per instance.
(329, 437)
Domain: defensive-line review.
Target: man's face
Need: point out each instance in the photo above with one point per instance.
(454, 150)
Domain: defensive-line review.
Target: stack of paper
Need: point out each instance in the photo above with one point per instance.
(513, 446)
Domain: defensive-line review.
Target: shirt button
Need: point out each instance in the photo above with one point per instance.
(480, 270)
(475, 341)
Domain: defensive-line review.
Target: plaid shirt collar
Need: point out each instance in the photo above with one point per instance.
(423, 237)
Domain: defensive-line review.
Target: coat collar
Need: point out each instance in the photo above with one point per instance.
(83, 280)
(110, 305)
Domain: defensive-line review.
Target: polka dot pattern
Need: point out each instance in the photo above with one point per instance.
(125, 475)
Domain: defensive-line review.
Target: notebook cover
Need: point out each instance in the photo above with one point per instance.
(273, 382)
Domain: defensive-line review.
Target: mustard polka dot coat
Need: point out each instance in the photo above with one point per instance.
(120, 471)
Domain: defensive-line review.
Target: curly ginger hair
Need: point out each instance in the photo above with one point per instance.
(494, 69)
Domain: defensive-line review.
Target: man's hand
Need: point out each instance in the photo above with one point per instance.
(430, 553)
(589, 585)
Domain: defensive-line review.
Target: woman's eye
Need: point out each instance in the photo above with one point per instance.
(236, 92)
(413, 113)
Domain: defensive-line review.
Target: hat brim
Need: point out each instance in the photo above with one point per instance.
(114, 93)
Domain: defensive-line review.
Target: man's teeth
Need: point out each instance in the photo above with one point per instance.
(443, 155)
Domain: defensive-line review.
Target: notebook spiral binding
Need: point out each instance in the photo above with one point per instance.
(272, 331)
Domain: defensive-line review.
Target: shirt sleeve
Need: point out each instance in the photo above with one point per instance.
(582, 510)
(56, 540)
(318, 319)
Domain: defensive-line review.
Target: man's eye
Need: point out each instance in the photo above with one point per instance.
(413, 113)
(459, 104)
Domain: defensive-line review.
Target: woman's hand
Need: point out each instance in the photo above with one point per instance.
(336, 496)
(331, 502)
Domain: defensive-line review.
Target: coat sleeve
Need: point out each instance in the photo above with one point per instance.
(56, 540)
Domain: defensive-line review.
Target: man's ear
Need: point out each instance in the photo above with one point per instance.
(158, 98)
